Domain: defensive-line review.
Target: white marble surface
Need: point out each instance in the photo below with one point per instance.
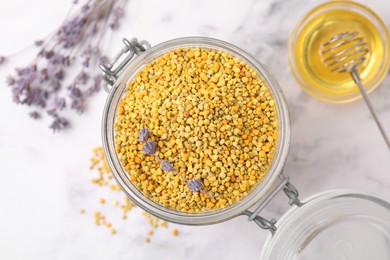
(44, 177)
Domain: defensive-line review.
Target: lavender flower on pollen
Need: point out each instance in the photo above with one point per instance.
(194, 185)
(149, 148)
(166, 166)
(143, 135)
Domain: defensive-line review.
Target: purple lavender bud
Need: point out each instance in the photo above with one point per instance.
(59, 74)
(95, 87)
(104, 60)
(16, 95)
(166, 166)
(59, 103)
(27, 71)
(149, 147)
(85, 63)
(43, 76)
(38, 43)
(10, 80)
(75, 92)
(52, 112)
(23, 83)
(46, 54)
(85, 8)
(2, 59)
(194, 185)
(35, 115)
(82, 78)
(143, 135)
(78, 105)
(59, 123)
(118, 13)
(51, 68)
(97, 83)
(35, 96)
(55, 85)
(57, 58)
(67, 60)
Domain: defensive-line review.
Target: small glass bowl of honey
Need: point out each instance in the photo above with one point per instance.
(321, 24)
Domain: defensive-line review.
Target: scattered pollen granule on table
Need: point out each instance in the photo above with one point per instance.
(123, 206)
(211, 117)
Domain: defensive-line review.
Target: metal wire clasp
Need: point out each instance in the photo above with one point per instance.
(289, 190)
(112, 70)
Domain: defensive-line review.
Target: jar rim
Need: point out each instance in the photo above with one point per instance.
(210, 216)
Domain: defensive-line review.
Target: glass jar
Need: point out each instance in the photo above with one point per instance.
(308, 228)
(126, 73)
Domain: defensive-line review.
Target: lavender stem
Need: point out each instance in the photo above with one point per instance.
(149, 148)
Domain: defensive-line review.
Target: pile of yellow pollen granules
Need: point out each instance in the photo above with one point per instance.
(123, 206)
(211, 117)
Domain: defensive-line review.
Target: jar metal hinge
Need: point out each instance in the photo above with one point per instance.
(289, 190)
(112, 70)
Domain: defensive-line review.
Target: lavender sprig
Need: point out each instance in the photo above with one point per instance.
(194, 185)
(75, 44)
(149, 148)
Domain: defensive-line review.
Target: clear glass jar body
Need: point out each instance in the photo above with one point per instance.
(333, 225)
(208, 217)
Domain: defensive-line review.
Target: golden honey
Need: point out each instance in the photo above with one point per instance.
(318, 27)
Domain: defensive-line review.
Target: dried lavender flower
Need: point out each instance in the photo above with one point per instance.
(149, 147)
(34, 114)
(143, 135)
(38, 43)
(59, 103)
(10, 80)
(118, 13)
(59, 123)
(76, 43)
(194, 185)
(166, 166)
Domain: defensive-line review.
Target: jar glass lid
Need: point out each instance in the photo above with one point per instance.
(333, 225)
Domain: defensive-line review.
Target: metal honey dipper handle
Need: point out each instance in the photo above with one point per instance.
(346, 52)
